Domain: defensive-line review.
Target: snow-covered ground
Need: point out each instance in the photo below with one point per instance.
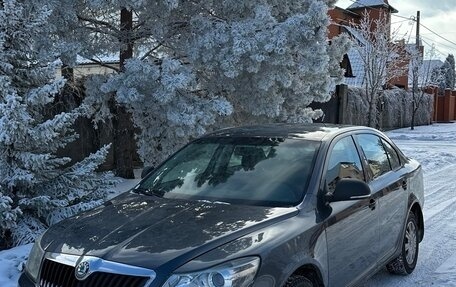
(435, 147)
(11, 263)
(13, 260)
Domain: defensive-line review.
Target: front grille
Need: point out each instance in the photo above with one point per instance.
(54, 274)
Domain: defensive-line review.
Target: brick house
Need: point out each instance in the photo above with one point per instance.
(444, 106)
(342, 21)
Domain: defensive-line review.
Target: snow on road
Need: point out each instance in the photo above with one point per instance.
(11, 263)
(435, 147)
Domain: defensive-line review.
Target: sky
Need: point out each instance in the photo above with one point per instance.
(437, 15)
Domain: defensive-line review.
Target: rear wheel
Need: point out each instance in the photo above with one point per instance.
(405, 263)
(298, 281)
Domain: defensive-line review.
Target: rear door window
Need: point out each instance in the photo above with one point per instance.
(392, 155)
(375, 153)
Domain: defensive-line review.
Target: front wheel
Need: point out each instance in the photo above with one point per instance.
(405, 263)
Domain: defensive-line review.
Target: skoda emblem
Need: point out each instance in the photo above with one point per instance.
(82, 270)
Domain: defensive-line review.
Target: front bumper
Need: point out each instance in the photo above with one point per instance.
(25, 281)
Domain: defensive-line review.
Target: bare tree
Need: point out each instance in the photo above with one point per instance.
(421, 72)
(383, 60)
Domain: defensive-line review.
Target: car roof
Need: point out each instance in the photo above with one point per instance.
(317, 132)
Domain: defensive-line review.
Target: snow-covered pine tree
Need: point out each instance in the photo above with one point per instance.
(450, 73)
(37, 188)
(438, 77)
(444, 76)
(195, 60)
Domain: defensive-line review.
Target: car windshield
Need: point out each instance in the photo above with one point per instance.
(238, 170)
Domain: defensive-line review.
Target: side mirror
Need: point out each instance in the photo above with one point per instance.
(350, 189)
(146, 171)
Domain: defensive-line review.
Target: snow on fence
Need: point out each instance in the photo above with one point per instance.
(394, 108)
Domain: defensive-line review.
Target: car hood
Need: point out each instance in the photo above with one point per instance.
(152, 232)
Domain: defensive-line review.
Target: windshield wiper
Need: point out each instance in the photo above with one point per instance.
(149, 191)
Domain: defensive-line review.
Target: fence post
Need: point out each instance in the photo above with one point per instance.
(447, 106)
(435, 92)
(453, 106)
(342, 95)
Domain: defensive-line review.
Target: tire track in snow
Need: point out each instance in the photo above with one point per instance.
(440, 191)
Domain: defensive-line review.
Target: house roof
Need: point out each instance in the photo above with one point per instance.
(348, 12)
(356, 35)
(356, 62)
(357, 67)
(107, 59)
(371, 4)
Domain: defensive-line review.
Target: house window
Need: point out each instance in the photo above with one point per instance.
(345, 64)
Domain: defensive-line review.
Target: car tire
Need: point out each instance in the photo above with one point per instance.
(299, 281)
(405, 263)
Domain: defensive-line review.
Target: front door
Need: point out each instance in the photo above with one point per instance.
(389, 181)
(353, 226)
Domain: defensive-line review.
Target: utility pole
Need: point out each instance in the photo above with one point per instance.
(418, 29)
(416, 70)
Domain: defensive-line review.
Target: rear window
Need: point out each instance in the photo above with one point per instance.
(255, 171)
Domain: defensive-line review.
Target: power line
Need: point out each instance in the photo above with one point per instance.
(433, 47)
(435, 33)
(427, 28)
(446, 33)
(439, 43)
(401, 21)
(411, 18)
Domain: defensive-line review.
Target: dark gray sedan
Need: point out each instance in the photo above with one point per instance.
(263, 206)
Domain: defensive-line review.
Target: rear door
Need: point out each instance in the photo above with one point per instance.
(352, 226)
(388, 182)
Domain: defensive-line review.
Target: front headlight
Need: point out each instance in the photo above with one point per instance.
(236, 273)
(34, 260)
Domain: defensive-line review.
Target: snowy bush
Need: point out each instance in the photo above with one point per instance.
(393, 108)
(357, 106)
(397, 109)
(37, 188)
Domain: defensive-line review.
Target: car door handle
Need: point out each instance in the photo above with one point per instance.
(372, 203)
(404, 184)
